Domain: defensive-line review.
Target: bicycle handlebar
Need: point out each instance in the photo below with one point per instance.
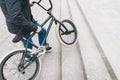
(38, 3)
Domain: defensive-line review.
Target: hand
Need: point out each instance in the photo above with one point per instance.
(38, 29)
(31, 4)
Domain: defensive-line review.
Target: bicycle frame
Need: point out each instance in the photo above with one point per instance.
(39, 51)
(50, 18)
(53, 19)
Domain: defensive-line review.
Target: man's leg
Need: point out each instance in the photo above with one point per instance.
(24, 41)
(27, 55)
(41, 36)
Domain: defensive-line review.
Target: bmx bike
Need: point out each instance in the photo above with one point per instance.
(15, 67)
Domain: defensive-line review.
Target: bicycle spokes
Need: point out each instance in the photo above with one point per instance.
(67, 32)
(12, 68)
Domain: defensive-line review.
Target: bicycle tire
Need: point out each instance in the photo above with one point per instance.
(66, 30)
(16, 55)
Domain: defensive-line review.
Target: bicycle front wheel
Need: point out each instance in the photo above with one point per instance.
(67, 32)
(9, 67)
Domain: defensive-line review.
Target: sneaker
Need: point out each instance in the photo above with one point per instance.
(48, 48)
(18, 36)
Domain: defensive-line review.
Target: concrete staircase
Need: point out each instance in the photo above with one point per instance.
(95, 56)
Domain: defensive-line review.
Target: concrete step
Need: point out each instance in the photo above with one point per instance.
(96, 54)
(103, 19)
(51, 67)
(72, 67)
(94, 65)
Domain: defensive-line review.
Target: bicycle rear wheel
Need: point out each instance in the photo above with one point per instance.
(67, 32)
(9, 67)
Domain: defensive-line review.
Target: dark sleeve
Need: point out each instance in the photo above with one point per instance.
(14, 11)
